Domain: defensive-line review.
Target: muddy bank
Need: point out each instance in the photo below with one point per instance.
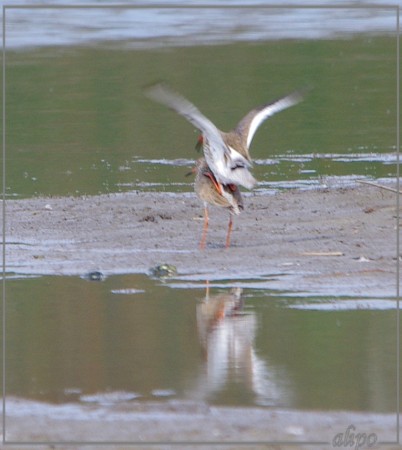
(336, 242)
(186, 422)
(340, 241)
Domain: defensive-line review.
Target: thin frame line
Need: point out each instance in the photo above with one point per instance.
(200, 6)
(397, 231)
(4, 228)
(172, 443)
(388, 6)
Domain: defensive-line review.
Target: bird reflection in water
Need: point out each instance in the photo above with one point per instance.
(232, 367)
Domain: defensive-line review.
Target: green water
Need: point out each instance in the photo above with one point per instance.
(77, 121)
(70, 338)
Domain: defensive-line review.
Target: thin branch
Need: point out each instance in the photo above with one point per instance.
(322, 253)
(379, 186)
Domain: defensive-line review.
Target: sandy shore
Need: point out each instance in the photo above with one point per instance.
(337, 241)
(187, 422)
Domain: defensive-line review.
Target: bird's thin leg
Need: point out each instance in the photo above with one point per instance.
(207, 290)
(230, 226)
(204, 229)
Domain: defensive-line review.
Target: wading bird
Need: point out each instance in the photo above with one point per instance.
(227, 160)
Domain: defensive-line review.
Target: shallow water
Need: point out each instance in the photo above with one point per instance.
(133, 338)
(163, 23)
(77, 123)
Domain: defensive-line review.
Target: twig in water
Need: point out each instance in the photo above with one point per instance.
(379, 186)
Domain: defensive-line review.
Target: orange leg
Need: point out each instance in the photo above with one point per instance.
(230, 226)
(204, 229)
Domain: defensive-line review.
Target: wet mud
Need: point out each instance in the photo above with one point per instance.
(335, 241)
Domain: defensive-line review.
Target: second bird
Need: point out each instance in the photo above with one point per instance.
(226, 161)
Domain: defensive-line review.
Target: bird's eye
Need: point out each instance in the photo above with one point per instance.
(237, 165)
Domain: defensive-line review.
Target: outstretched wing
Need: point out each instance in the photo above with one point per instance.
(222, 160)
(250, 123)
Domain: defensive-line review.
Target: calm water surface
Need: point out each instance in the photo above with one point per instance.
(77, 123)
(134, 338)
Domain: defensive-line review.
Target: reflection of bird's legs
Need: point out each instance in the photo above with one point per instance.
(206, 289)
(230, 226)
(204, 228)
